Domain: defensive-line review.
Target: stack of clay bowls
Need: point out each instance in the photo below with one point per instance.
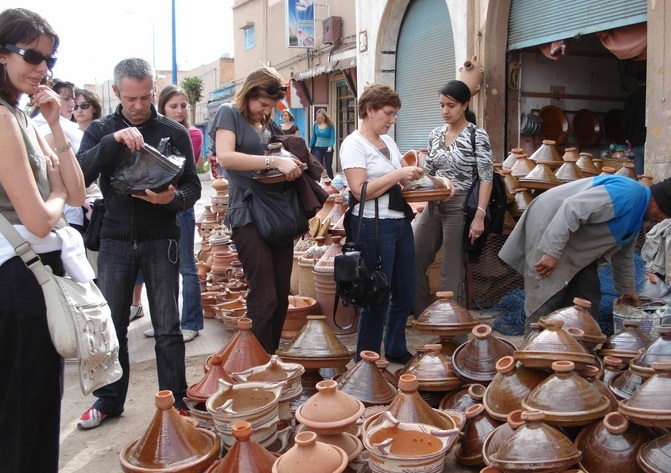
(246, 455)
(230, 311)
(276, 371)
(253, 402)
(170, 443)
(447, 319)
(365, 382)
(331, 414)
(577, 316)
(407, 447)
(475, 360)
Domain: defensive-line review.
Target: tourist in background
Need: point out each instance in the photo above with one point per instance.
(288, 126)
(323, 140)
(87, 108)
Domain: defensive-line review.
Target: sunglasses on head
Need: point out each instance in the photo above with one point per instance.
(31, 56)
(273, 90)
(83, 106)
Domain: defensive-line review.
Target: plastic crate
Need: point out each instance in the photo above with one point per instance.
(650, 315)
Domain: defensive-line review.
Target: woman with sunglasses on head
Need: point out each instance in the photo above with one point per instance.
(88, 107)
(36, 180)
(370, 155)
(458, 150)
(241, 132)
(323, 140)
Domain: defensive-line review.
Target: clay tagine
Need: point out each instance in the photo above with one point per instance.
(310, 455)
(466, 397)
(612, 366)
(627, 170)
(624, 384)
(586, 165)
(209, 384)
(246, 456)
(591, 375)
(475, 360)
(578, 316)
(523, 166)
(658, 350)
(433, 370)
(511, 385)
(501, 434)
(522, 200)
(569, 171)
(330, 411)
(626, 343)
(512, 156)
(566, 399)
(445, 317)
(478, 427)
(170, 443)
(547, 152)
(365, 382)
(540, 177)
(655, 456)
(650, 405)
(242, 351)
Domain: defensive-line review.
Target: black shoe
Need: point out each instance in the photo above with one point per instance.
(401, 360)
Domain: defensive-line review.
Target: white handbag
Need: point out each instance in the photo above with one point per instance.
(79, 318)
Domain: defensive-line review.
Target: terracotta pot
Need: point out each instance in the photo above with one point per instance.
(302, 456)
(433, 370)
(478, 427)
(383, 365)
(297, 313)
(591, 375)
(330, 411)
(568, 172)
(650, 405)
(512, 156)
(626, 383)
(243, 351)
(170, 443)
(316, 346)
(523, 166)
(612, 366)
(655, 456)
(445, 317)
(398, 446)
(522, 200)
(365, 382)
(472, 74)
(611, 445)
(350, 443)
(501, 434)
(246, 455)
(511, 385)
(540, 177)
(626, 343)
(586, 164)
(598, 163)
(658, 350)
(466, 397)
(566, 399)
(306, 281)
(627, 170)
(607, 170)
(410, 158)
(509, 180)
(209, 384)
(475, 360)
(578, 316)
(547, 151)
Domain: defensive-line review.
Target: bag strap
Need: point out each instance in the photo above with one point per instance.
(362, 204)
(24, 250)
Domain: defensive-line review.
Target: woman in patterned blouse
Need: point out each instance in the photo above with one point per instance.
(453, 153)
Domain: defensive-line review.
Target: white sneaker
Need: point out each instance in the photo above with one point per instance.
(136, 312)
(189, 335)
(149, 332)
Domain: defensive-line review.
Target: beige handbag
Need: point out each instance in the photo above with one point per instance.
(79, 319)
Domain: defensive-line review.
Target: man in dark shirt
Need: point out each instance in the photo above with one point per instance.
(139, 232)
(633, 123)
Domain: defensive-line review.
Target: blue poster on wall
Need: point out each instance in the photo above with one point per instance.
(300, 19)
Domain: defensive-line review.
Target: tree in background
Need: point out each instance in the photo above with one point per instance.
(193, 87)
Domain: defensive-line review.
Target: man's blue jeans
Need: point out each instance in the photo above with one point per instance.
(397, 249)
(118, 265)
(192, 304)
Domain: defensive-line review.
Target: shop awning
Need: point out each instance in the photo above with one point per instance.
(339, 65)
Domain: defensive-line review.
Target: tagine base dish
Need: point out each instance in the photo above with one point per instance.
(544, 360)
(534, 184)
(426, 195)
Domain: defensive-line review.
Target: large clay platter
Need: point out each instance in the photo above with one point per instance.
(555, 124)
(586, 127)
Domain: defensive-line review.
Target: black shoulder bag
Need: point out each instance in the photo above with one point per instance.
(355, 284)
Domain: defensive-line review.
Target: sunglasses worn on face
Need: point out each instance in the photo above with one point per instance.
(83, 106)
(31, 56)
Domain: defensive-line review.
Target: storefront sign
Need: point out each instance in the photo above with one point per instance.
(300, 23)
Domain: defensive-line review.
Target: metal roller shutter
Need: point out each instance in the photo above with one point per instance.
(424, 63)
(535, 22)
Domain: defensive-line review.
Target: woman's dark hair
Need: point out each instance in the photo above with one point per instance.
(166, 94)
(92, 98)
(460, 92)
(377, 96)
(18, 25)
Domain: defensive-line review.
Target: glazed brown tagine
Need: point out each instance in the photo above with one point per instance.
(475, 360)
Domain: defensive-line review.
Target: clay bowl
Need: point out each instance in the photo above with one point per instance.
(511, 385)
(433, 370)
(611, 445)
(655, 456)
(400, 446)
(302, 456)
(330, 411)
(365, 382)
(625, 384)
(478, 427)
(659, 350)
(299, 308)
(535, 447)
(475, 360)
(626, 343)
(553, 344)
(410, 158)
(466, 397)
(650, 405)
(566, 399)
(501, 434)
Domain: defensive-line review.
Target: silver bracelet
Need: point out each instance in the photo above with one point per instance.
(64, 148)
(482, 210)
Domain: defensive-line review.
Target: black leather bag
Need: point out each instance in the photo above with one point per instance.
(279, 216)
(355, 284)
(92, 235)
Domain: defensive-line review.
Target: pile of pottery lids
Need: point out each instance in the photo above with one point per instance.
(526, 176)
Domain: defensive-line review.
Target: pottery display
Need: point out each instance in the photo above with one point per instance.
(445, 317)
(209, 384)
(433, 370)
(627, 170)
(611, 445)
(303, 455)
(299, 308)
(586, 165)
(475, 360)
(365, 382)
(650, 405)
(523, 166)
(626, 343)
(626, 383)
(243, 351)
(612, 366)
(569, 171)
(316, 346)
(253, 402)
(553, 344)
(511, 385)
(658, 350)
(478, 427)
(655, 456)
(246, 456)
(330, 411)
(540, 177)
(535, 446)
(501, 434)
(512, 156)
(407, 447)
(547, 151)
(566, 399)
(170, 443)
(578, 316)
(466, 397)
(591, 375)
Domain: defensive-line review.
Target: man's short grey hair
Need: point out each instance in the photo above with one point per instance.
(134, 68)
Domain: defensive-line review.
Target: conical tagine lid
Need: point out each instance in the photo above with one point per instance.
(316, 343)
(246, 455)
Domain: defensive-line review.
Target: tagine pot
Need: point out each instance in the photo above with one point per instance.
(611, 445)
(501, 434)
(512, 156)
(246, 455)
(626, 383)
(547, 151)
(658, 350)
(365, 382)
(522, 200)
(445, 317)
(347, 441)
(209, 384)
(170, 444)
(626, 343)
(522, 166)
(479, 425)
(566, 399)
(310, 455)
(650, 405)
(511, 385)
(433, 370)
(578, 316)
(612, 366)
(243, 351)
(475, 360)
(591, 375)
(655, 456)
(466, 397)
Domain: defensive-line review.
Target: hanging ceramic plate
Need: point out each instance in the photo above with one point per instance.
(555, 124)
(586, 127)
(612, 126)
